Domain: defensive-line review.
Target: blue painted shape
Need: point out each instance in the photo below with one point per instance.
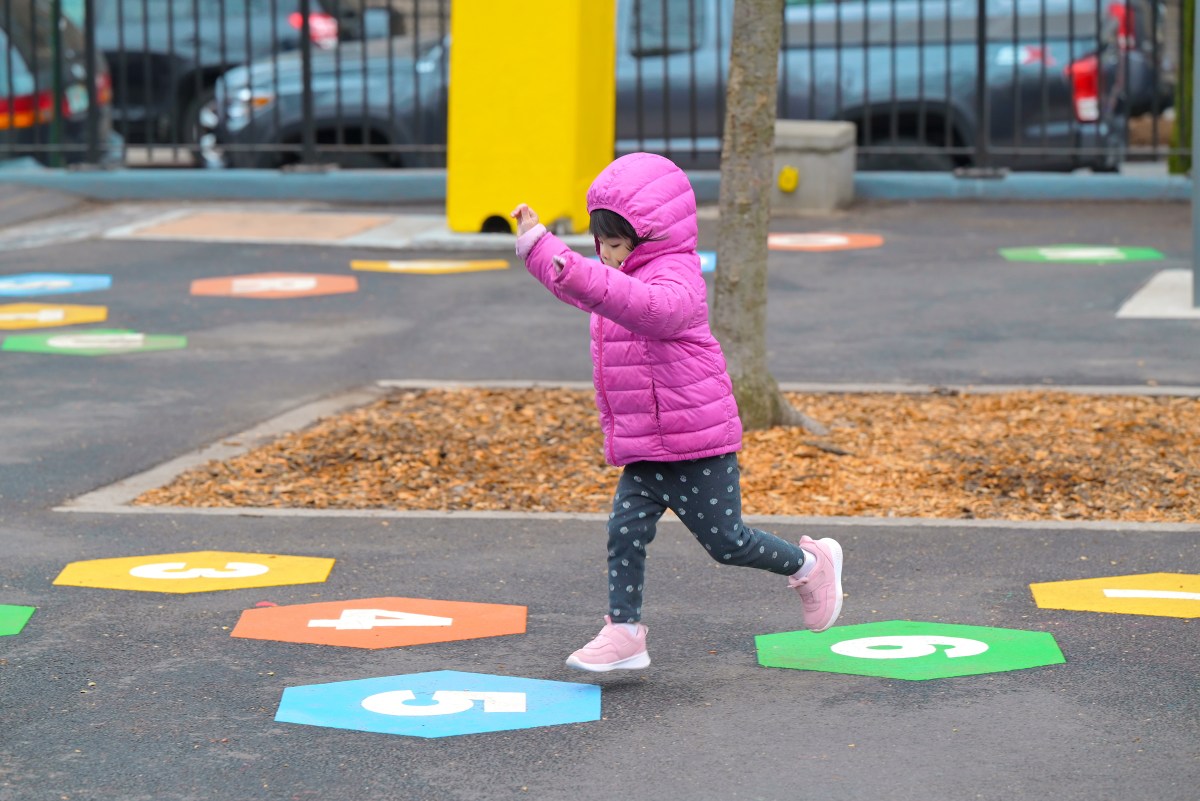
(708, 261)
(442, 703)
(30, 284)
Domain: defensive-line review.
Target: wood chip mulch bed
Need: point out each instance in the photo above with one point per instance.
(1016, 456)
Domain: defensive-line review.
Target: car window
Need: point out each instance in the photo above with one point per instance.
(663, 27)
(15, 78)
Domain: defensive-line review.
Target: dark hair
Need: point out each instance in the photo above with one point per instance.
(606, 223)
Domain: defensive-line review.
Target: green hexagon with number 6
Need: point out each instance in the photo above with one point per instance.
(911, 650)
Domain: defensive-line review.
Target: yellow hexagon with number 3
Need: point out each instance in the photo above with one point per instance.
(1160, 594)
(40, 315)
(196, 571)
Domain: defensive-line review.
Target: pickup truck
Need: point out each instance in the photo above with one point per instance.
(908, 72)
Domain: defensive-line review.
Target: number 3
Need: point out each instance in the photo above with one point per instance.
(178, 570)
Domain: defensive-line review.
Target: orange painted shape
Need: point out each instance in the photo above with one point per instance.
(380, 622)
(821, 241)
(275, 285)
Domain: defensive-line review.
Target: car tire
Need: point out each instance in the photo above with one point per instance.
(197, 132)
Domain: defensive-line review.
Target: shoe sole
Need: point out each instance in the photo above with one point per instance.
(635, 662)
(835, 550)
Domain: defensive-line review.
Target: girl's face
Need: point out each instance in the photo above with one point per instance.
(614, 250)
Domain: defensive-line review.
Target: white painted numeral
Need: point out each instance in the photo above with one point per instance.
(445, 702)
(1169, 595)
(372, 618)
(179, 570)
(907, 646)
(298, 283)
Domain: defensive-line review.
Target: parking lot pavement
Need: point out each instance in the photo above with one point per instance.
(137, 692)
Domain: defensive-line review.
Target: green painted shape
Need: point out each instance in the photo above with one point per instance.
(910, 650)
(13, 618)
(1080, 254)
(96, 342)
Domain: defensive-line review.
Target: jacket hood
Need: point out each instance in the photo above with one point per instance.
(655, 196)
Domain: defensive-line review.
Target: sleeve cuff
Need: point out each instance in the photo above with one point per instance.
(527, 240)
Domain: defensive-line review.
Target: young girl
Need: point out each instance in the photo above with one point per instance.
(665, 398)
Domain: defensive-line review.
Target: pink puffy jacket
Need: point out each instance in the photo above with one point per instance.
(662, 388)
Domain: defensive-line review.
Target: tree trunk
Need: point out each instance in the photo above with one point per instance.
(1181, 136)
(747, 164)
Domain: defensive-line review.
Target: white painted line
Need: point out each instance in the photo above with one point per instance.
(1166, 296)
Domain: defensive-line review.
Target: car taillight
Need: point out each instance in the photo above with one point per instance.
(26, 111)
(322, 28)
(1085, 88)
(1126, 35)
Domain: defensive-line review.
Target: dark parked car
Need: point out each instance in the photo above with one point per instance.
(44, 101)
(166, 54)
(904, 70)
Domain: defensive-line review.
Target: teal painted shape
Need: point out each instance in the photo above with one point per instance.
(97, 342)
(33, 284)
(442, 703)
(13, 618)
(1081, 254)
(910, 650)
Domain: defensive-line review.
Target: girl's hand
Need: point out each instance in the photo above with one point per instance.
(526, 218)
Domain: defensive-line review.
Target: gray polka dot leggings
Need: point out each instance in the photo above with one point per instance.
(706, 495)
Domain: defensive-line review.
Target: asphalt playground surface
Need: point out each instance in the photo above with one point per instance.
(131, 695)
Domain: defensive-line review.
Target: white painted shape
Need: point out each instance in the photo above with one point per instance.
(179, 570)
(106, 341)
(907, 646)
(291, 283)
(1167, 595)
(39, 285)
(446, 702)
(1082, 254)
(40, 316)
(363, 619)
(1166, 296)
(809, 240)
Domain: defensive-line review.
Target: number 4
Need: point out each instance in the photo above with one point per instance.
(361, 619)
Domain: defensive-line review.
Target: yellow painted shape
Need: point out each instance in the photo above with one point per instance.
(42, 315)
(789, 179)
(1160, 594)
(532, 114)
(196, 571)
(430, 266)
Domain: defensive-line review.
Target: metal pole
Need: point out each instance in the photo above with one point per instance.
(93, 117)
(1195, 163)
(56, 154)
(308, 135)
(983, 117)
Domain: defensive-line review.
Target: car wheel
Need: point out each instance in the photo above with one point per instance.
(199, 129)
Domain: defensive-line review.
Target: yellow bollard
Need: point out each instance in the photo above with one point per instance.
(532, 109)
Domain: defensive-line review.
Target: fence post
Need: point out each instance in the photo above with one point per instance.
(982, 111)
(1195, 162)
(308, 153)
(93, 118)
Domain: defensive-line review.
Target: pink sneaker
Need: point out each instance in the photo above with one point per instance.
(821, 590)
(613, 649)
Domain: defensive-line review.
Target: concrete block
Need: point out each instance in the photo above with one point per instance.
(814, 166)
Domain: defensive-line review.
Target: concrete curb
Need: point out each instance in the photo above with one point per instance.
(429, 186)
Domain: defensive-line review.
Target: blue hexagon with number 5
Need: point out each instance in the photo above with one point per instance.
(907, 649)
(32, 284)
(443, 703)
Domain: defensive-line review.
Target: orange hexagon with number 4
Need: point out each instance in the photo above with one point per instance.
(1159, 594)
(275, 285)
(196, 571)
(381, 622)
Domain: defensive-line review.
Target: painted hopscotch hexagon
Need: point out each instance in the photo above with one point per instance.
(1080, 254)
(40, 315)
(1160, 594)
(442, 703)
(13, 618)
(34, 284)
(430, 266)
(273, 286)
(97, 342)
(195, 571)
(911, 650)
(381, 622)
(822, 241)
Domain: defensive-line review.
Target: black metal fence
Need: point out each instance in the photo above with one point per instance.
(931, 84)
